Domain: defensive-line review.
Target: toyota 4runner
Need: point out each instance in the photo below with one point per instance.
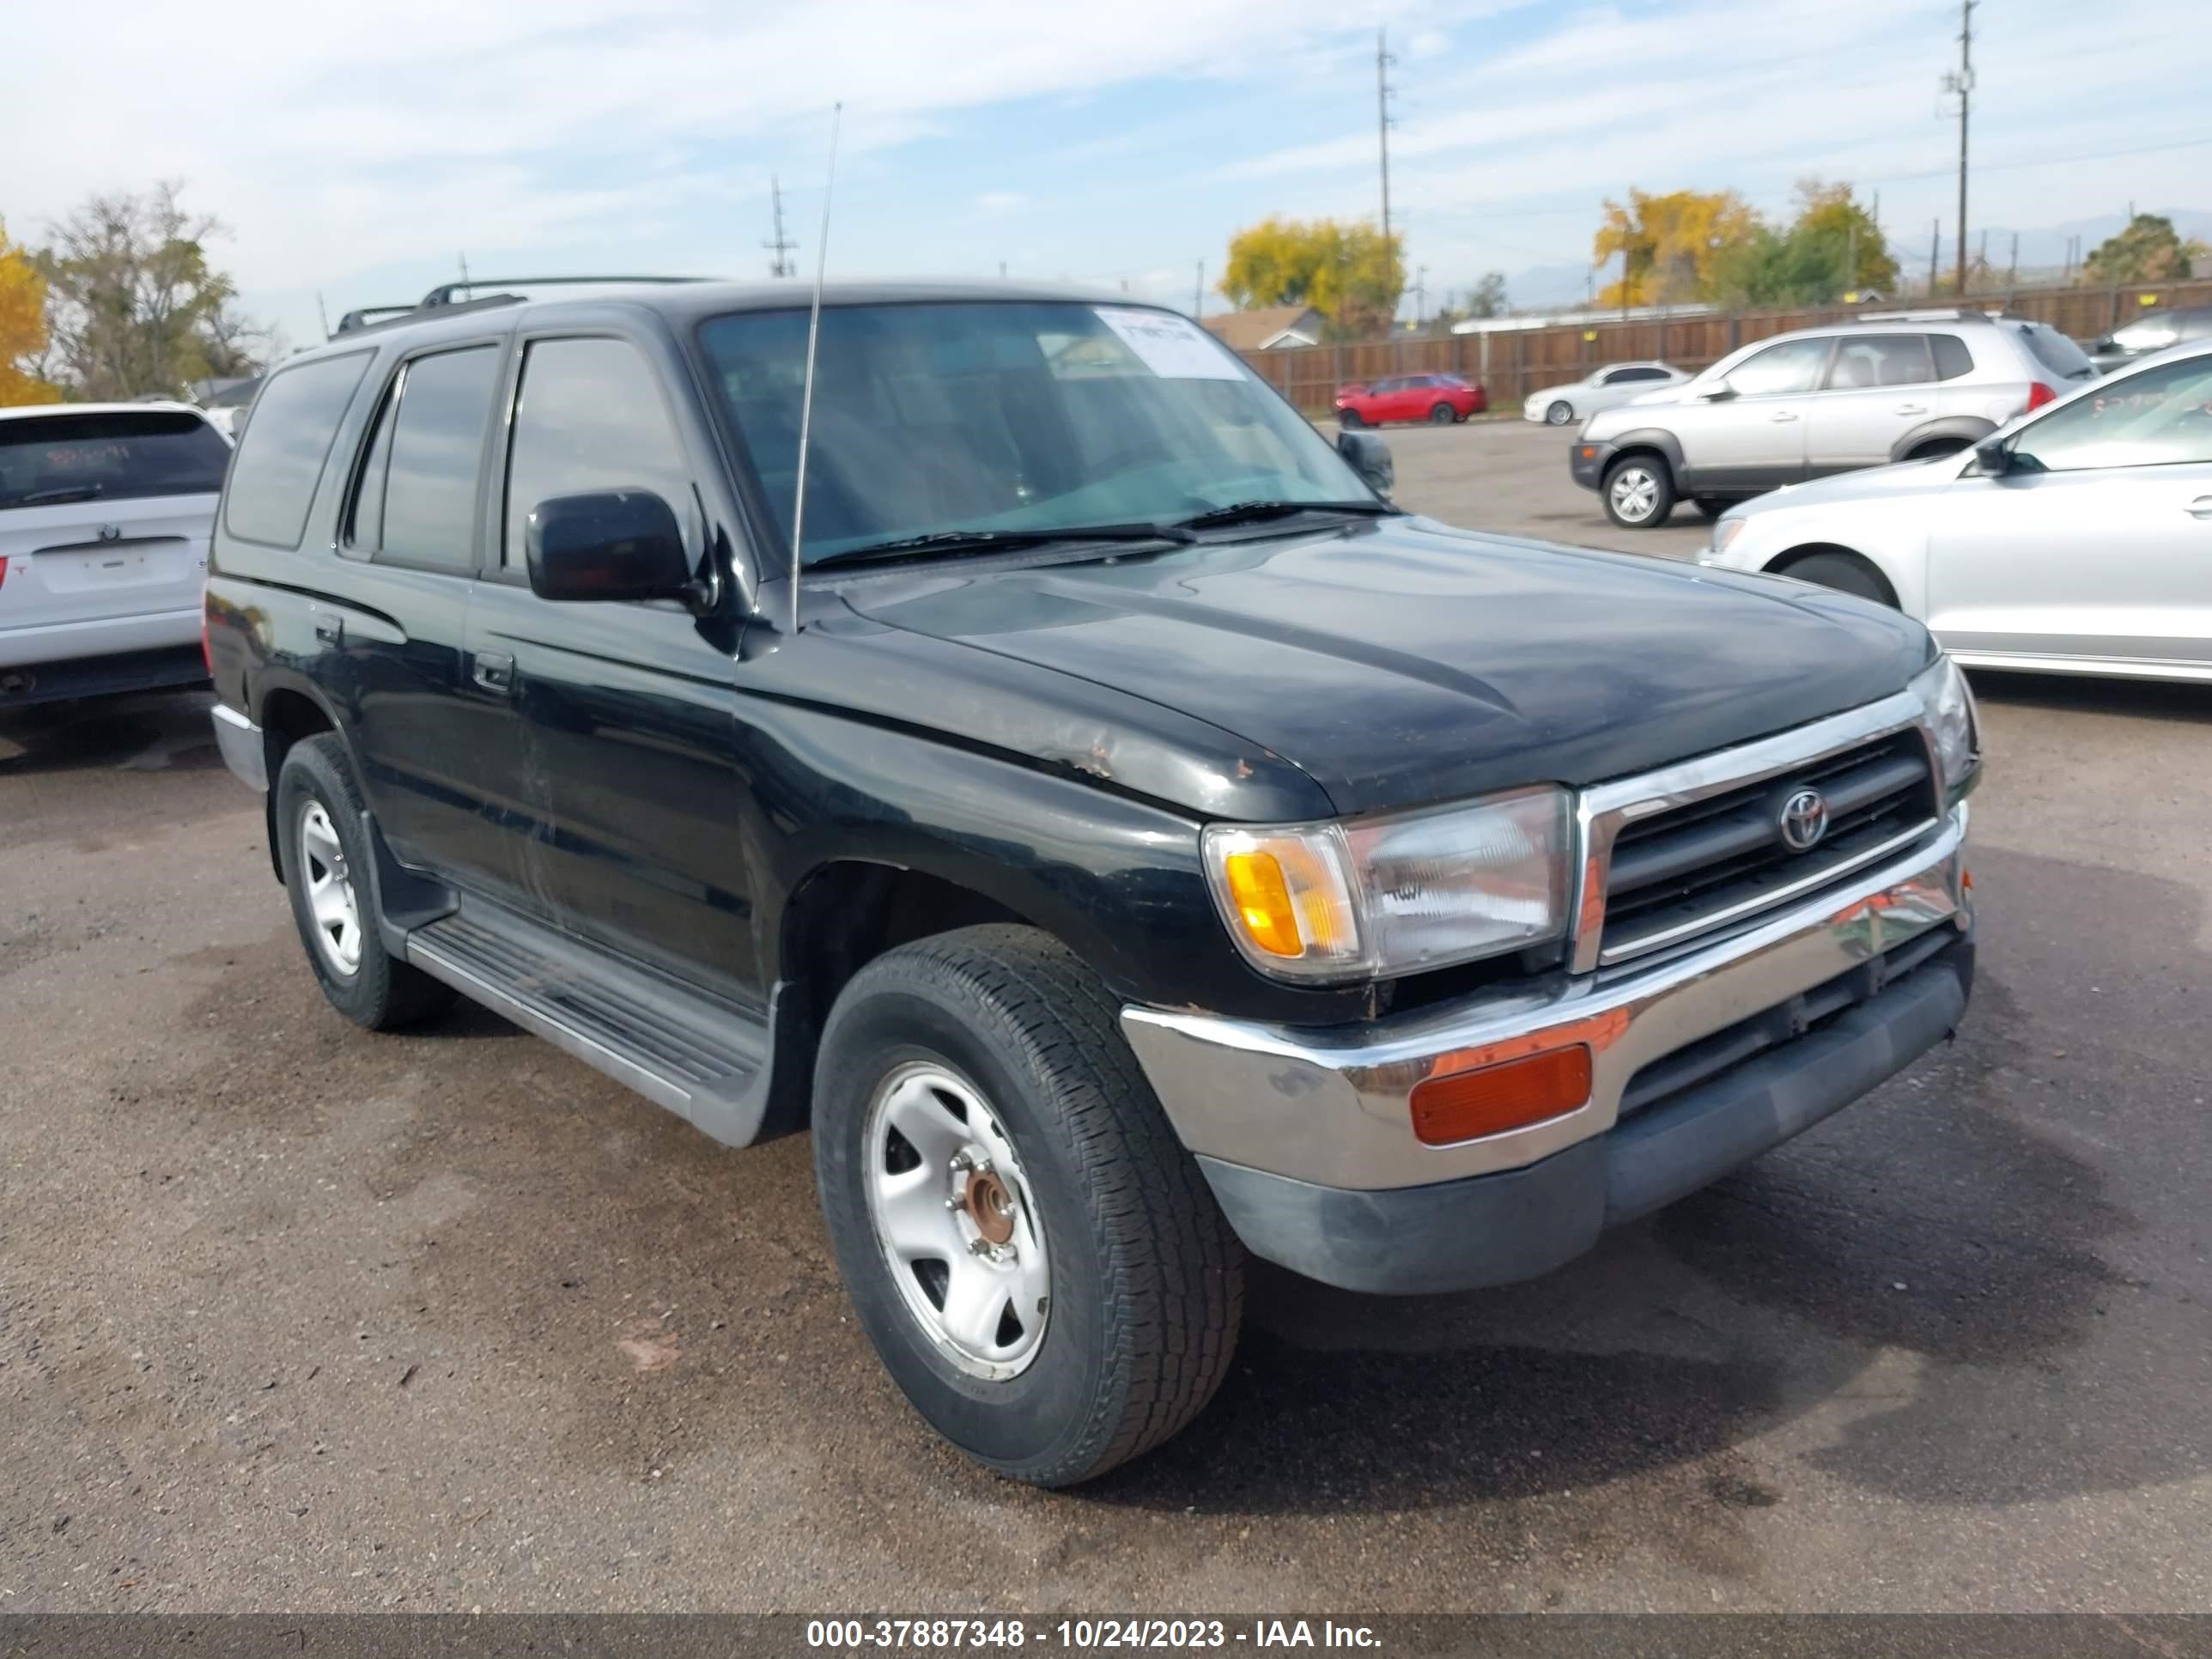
(1134, 842)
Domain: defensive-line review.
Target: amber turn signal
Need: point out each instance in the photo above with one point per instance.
(1463, 1105)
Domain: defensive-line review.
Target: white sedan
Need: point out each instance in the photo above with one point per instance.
(1604, 388)
(2075, 540)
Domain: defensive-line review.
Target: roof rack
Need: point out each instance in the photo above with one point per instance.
(445, 295)
(1933, 315)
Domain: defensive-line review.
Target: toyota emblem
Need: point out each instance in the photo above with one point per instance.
(1804, 820)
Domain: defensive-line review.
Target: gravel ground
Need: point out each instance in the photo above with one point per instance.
(296, 1317)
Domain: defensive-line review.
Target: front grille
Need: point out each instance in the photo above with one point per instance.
(1720, 860)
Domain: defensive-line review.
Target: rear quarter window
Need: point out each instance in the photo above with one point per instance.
(281, 458)
(108, 456)
(1953, 359)
(2056, 352)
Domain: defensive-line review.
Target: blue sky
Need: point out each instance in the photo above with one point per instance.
(360, 150)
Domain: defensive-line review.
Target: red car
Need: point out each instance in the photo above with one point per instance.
(1442, 398)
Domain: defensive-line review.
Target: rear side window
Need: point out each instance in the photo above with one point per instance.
(2056, 352)
(422, 461)
(280, 460)
(48, 459)
(1879, 360)
(1953, 359)
(590, 418)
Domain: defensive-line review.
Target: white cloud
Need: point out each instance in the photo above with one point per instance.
(1001, 201)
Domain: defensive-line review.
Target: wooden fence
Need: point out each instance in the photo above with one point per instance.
(1512, 363)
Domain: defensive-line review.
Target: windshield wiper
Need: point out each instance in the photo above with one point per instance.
(59, 492)
(1255, 511)
(997, 541)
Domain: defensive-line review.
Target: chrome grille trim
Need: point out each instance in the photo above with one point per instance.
(1602, 812)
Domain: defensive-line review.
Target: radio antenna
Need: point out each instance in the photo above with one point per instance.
(806, 397)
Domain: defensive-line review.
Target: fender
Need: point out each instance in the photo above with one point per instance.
(1968, 429)
(1651, 437)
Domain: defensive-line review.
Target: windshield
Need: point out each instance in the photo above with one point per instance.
(1025, 418)
(103, 457)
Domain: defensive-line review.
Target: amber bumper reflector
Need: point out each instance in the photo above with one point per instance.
(1465, 1104)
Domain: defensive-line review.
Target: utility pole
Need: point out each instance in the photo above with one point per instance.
(1382, 61)
(779, 247)
(1420, 295)
(322, 313)
(464, 271)
(1934, 250)
(2012, 270)
(1961, 82)
(1197, 295)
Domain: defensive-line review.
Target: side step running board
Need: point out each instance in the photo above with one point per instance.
(702, 1058)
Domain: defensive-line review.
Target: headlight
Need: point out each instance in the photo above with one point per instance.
(1381, 897)
(1949, 704)
(1725, 531)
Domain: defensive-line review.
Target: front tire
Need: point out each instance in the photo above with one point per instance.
(327, 859)
(1349, 419)
(1638, 492)
(1559, 414)
(1847, 573)
(1039, 1263)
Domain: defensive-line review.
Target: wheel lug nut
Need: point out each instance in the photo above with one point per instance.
(979, 1246)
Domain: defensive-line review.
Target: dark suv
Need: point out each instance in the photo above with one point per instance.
(1135, 842)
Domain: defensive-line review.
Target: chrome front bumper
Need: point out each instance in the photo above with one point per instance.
(1331, 1106)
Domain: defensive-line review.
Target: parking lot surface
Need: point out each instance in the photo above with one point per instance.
(295, 1317)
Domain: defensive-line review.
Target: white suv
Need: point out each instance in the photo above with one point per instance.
(1894, 386)
(105, 511)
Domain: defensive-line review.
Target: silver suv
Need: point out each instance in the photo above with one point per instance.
(1890, 387)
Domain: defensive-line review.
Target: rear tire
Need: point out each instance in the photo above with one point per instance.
(1442, 415)
(1145, 1292)
(327, 859)
(1847, 573)
(1638, 492)
(1713, 507)
(1559, 414)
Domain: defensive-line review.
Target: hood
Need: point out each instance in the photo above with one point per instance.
(1401, 662)
(1867, 484)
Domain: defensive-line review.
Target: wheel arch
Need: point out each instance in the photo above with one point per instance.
(1782, 563)
(1959, 431)
(287, 710)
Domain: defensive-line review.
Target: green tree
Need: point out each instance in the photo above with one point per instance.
(1488, 298)
(1832, 248)
(1668, 243)
(133, 304)
(2150, 250)
(23, 327)
(1350, 273)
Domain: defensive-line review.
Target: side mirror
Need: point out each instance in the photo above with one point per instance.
(610, 544)
(1371, 458)
(1992, 458)
(1719, 392)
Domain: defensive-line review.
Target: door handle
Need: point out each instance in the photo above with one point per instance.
(1783, 415)
(2200, 507)
(331, 630)
(494, 671)
(1910, 408)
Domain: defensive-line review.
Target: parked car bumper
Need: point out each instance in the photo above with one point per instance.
(51, 661)
(1587, 461)
(1698, 1066)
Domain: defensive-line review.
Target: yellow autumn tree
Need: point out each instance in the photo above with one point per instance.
(1668, 243)
(1350, 273)
(22, 326)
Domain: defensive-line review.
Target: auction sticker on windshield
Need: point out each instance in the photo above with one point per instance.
(1173, 348)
